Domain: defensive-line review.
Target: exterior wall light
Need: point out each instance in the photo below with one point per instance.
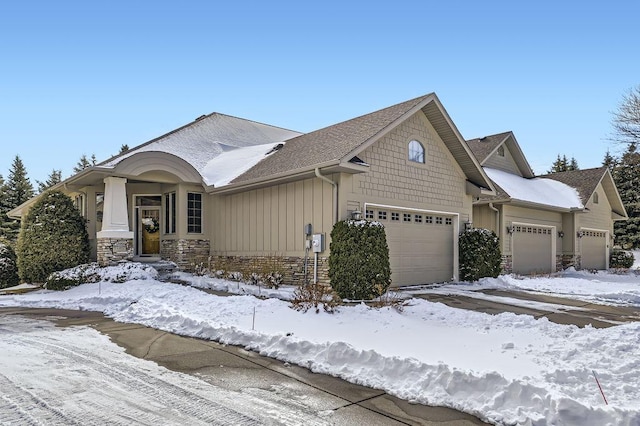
(561, 234)
(356, 215)
(580, 234)
(468, 225)
(509, 229)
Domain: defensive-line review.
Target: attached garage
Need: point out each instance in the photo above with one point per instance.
(594, 249)
(421, 245)
(533, 249)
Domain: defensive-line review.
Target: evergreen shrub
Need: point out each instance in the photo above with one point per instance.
(479, 254)
(620, 259)
(53, 237)
(8, 265)
(359, 260)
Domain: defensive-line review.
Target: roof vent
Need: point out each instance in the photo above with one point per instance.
(200, 118)
(275, 148)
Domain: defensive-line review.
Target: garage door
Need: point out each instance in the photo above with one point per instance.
(532, 249)
(594, 250)
(420, 246)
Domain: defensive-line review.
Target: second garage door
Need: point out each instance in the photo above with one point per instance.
(532, 249)
(594, 250)
(420, 246)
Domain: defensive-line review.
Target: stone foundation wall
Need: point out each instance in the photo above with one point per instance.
(186, 254)
(507, 264)
(570, 260)
(113, 250)
(291, 267)
(559, 263)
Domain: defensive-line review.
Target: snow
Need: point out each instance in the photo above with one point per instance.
(505, 369)
(228, 165)
(537, 190)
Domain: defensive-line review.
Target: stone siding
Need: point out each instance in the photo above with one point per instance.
(113, 250)
(291, 267)
(507, 264)
(569, 260)
(186, 254)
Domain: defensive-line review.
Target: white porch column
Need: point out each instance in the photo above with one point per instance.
(115, 219)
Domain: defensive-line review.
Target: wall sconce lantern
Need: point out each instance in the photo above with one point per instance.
(509, 229)
(580, 234)
(468, 226)
(356, 215)
(561, 234)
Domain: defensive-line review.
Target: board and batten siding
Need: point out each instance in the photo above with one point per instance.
(438, 184)
(270, 221)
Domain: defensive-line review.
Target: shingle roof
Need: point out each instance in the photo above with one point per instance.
(331, 143)
(585, 181)
(482, 147)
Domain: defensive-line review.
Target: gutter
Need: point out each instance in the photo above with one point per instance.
(497, 218)
(335, 193)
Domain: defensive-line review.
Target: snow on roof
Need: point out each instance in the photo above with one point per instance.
(231, 163)
(536, 190)
(201, 141)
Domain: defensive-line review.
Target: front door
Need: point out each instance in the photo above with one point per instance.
(148, 225)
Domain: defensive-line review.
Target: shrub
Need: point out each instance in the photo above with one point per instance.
(53, 237)
(8, 265)
(314, 296)
(479, 254)
(359, 260)
(620, 259)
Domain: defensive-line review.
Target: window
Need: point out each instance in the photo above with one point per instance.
(501, 150)
(595, 198)
(416, 152)
(170, 213)
(80, 205)
(406, 217)
(194, 212)
(368, 214)
(428, 219)
(438, 220)
(448, 221)
(395, 216)
(418, 218)
(382, 215)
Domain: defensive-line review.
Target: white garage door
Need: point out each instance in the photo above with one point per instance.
(532, 249)
(420, 246)
(594, 250)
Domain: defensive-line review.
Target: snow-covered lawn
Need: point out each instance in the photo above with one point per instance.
(509, 369)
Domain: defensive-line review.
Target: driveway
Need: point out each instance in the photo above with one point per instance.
(326, 399)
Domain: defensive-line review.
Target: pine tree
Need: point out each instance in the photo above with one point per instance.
(17, 190)
(609, 161)
(626, 175)
(4, 208)
(83, 163)
(55, 177)
(563, 165)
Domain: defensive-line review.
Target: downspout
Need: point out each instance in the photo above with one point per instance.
(335, 217)
(497, 217)
(335, 193)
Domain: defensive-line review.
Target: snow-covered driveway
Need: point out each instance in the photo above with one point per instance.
(55, 376)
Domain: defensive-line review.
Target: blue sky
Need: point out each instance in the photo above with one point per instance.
(86, 77)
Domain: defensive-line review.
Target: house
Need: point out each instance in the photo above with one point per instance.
(549, 222)
(245, 193)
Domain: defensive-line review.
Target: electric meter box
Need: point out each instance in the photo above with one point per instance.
(317, 243)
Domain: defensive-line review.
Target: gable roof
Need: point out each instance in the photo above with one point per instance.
(338, 144)
(586, 181)
(485, 147)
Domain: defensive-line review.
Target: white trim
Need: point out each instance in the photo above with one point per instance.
(536, 225)
(456, 229)
(606, 243)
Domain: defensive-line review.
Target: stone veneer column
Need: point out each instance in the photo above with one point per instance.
(115, 240)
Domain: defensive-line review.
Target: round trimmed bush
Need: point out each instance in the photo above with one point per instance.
(359, 260)
(53, 237)
(620, 259)
(479, 254)
(8, 265)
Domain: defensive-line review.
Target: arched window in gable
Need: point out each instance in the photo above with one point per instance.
(595, 198)
(416, 152)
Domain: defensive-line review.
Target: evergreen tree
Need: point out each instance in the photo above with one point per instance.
(17, 190)
(4, 207)
(84, 162)
(563, 165)
(54, 177)
(609, 161)
(626, 175)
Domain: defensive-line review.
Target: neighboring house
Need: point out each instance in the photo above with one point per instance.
(243, 193)
(548, 222)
